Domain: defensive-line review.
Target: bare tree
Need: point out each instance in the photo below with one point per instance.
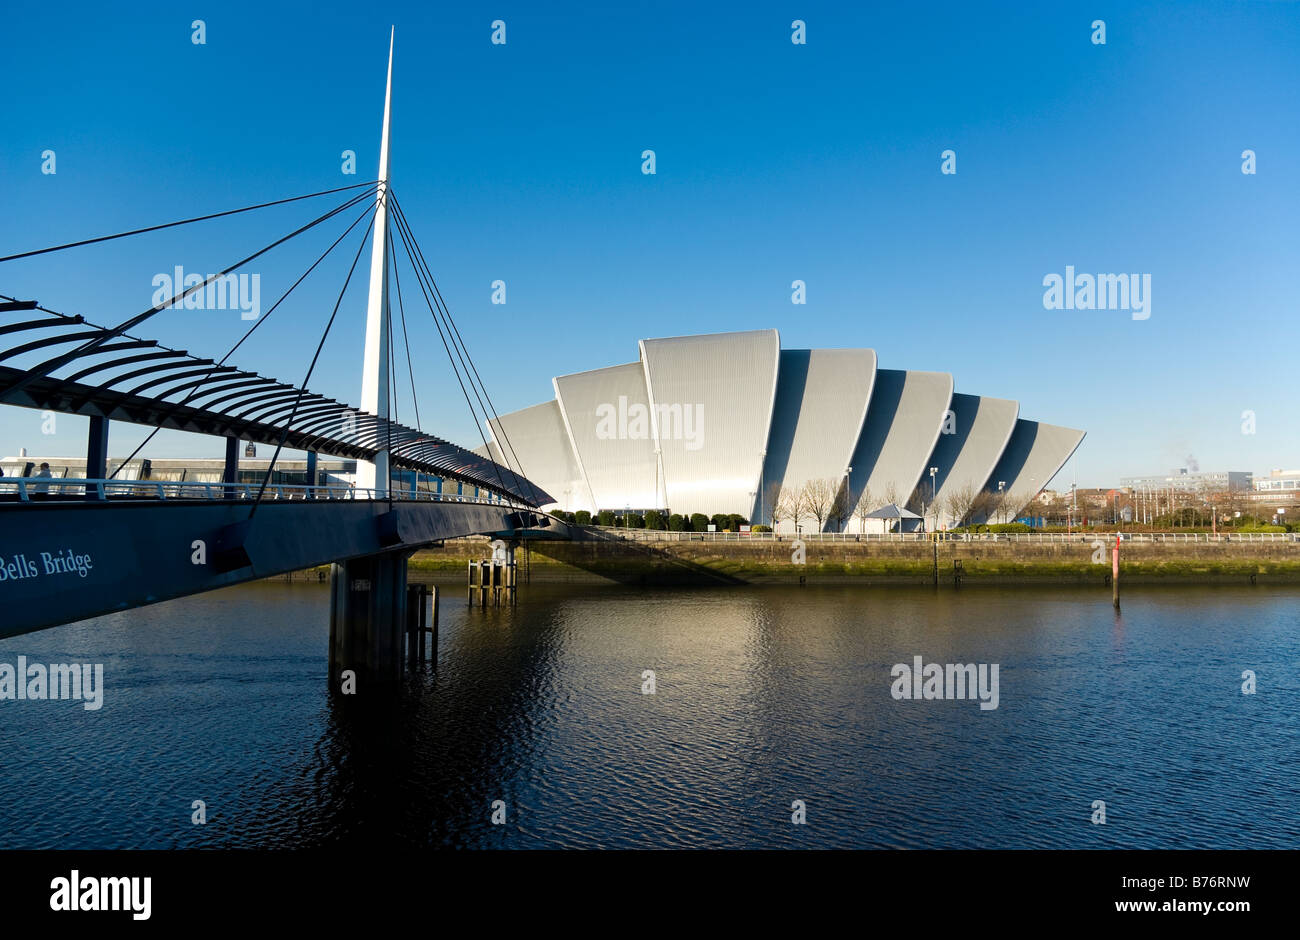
(981, 508)
(1204, 498)
(818, 497)
(776, 504)
(840, 508)
(1232, 496)
(989, 505)
(1059, 509)
(864, 508)
(937, 510)
(960, 503)
(793, 506)
(1009, 505)
(891, 493)
(1220, 503)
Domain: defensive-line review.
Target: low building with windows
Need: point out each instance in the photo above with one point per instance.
(1183, 480)
(1279, 481)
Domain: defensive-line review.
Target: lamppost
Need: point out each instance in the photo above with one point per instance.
(659, 462)
(762, 508)
(1002, 513)
(848, 495)
(933, 471)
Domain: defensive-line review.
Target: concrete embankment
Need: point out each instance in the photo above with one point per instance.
(879, 562)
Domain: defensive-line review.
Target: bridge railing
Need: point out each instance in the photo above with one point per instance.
(656, 535)
(74, 489)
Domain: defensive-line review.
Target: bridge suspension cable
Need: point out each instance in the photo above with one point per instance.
(420, 279)
(302, 390)
(496, 425)
(199, 218)
(452, 339)
(199, 387)
(45, 368)
(406, 340)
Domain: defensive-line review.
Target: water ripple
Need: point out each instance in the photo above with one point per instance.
(763, 698)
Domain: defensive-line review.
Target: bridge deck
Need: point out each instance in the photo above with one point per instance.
(66, 560)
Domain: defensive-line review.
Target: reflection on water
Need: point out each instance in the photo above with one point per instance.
(764, 696)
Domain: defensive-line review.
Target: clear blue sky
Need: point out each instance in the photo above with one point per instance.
(818, 162)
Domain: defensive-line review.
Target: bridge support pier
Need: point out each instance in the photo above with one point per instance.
(311, 474)
(368, 620)
(230, 469)
(96, 452)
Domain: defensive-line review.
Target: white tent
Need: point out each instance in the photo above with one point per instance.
(890, 512)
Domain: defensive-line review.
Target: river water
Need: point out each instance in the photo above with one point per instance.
(763, 697)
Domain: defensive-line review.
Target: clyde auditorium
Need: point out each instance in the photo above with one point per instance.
(720, 423)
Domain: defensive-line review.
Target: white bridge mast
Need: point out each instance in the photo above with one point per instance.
(375, 368)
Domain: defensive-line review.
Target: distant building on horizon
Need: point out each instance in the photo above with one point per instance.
(1279, 481)
(1184, 480)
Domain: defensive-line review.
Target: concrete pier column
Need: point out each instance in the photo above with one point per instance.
(368, 620)
(417, 596)
(96, 452)
(230, 470)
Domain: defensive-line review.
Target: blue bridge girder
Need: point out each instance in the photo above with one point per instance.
(61, 562)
